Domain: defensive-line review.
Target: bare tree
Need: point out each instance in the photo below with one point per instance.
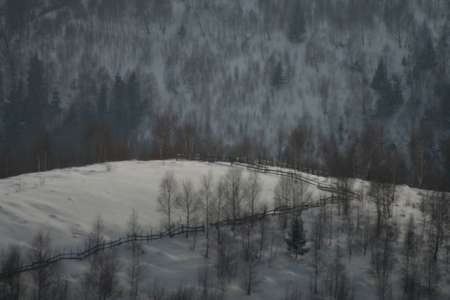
(168, 191)
(234, 193)
(43, 278)
(299, 195)
(101, 279)
(297, 142)
(282, 196)
(371, 146)
(439, 210)
(137, 272)
(13, 285)
(226, 257)
(253, 188)
(345, 186)
(263, 231)
(383, 264)
(292, 293)
(155, 290)
(188, 201)
(420, 142)
(410, 254)
(163, 12)
(280, 142)
(183, 292)
(250, 269)
(206, 194)
(431, 276)
(163, 131)
(189, 135)
(337, 282)
(317, 234)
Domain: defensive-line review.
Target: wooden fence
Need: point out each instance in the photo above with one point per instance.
(337, 194)
(250, 161)
(277, 211)
(172, 231)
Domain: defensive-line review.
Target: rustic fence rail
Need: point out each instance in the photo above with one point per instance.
(80, 255)
(172, 231)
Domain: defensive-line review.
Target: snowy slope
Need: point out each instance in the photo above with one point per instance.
(69, 200)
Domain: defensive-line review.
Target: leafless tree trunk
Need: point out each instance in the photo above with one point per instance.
(183, 292)
(137, 271)
(253, 188)
(163, 131)
(226, 257)
(188, 201)
(234, 193)
(155, 290)
(317, 240)
(168, 191)
(250, 269)
(12, 286)
(337, 282)
(410, 252)
(292, 293)
(101, 280)
(41, 278)
(383, 264)
(206, 194)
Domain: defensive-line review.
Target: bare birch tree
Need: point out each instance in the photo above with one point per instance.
(188, 201)
(168, 191)
(137, 271)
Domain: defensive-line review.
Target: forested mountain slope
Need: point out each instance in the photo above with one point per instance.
(358, 88)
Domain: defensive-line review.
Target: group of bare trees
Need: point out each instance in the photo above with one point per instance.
(44, 282)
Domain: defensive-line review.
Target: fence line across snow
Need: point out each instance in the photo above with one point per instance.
(183, 229)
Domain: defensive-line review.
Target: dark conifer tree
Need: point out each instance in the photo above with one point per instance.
(426, 59)
(37, 96)
(296, 240)
(277, 78)
(14, 114)
(118, 107)
(380, 79)
(134, 101)
(55, 108)
(102, 103)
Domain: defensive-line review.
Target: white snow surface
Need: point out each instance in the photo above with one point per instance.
(68, 202)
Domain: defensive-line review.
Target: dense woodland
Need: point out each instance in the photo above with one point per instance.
(357, 88)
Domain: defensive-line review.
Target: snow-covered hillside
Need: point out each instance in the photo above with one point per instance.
(65, 202)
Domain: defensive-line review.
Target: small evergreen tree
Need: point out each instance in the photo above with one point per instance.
(390, 98)
(296, 238)
(380, 79)
(102, 103)
(277, 78)
(426, 59)
(55, 107)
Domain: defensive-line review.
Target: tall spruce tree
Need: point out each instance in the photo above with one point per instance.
(380, 79)
(296, 240)
(390, 97)
(118, 107)
(426, 59)
(134, 101)
(102, 103)
(55, 108)
(277, 78)
(14, 114)
(37, 96)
